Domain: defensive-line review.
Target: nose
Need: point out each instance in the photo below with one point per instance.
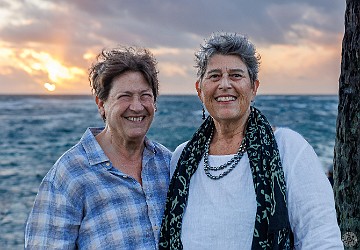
(136, 104)
(225, 82)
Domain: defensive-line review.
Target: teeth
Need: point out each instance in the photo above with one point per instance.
(135, 119)
(225, 98)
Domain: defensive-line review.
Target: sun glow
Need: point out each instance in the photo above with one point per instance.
(50, 87)
(44, 67)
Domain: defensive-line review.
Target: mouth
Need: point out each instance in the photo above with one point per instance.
(225, 98)
(135, 118)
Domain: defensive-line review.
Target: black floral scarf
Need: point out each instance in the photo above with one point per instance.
(272, 227)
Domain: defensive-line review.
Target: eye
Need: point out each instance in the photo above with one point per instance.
(214, 77)
(147, 96)
(237, 76)
(123, 96)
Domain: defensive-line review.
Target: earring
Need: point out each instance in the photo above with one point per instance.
(203, 113)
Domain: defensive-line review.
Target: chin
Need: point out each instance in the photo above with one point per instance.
(226, 116)
(137, 135)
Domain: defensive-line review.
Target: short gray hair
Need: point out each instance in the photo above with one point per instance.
(228, 44)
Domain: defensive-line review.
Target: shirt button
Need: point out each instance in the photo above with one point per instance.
(107, 164)
(124, 176)
(156, 228)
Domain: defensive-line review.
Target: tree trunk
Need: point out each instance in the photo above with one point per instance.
(347, 143)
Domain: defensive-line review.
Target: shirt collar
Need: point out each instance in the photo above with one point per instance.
(149, 145)
(92, 148)
(96, 154)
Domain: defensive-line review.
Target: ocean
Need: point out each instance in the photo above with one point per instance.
(36, 130)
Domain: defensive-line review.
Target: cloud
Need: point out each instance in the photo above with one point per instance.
(70, 30)
(299, 70)
(12, 79)
(167, 23)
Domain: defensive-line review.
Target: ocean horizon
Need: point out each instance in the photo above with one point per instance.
(38, 129)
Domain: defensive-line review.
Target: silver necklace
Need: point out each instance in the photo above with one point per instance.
(228, 166)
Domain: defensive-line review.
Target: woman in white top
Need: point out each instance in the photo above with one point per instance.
(237, 184)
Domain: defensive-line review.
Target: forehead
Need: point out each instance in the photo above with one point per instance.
(130, 81)
(225, 62)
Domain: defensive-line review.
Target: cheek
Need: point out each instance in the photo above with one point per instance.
(150, 106)
(245, 97)
(206, 99)
(248, 91)
(205, 94)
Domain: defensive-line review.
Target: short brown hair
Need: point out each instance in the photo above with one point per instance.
(113, 62)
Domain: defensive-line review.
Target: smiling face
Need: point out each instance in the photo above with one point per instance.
(130, 107)
(226, 89)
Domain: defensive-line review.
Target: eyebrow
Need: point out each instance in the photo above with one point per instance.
(141, 91)
(229, 70)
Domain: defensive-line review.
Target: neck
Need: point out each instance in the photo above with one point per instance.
(124, 148)
(227, 130)
(230, 127)
(124, 155)
(228, 136)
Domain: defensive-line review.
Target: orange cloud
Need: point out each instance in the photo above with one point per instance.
(299, 69)
(33, 62)
(42, 67)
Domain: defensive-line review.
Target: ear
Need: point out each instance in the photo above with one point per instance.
(198, 89)
(101, 108)
(256, 86)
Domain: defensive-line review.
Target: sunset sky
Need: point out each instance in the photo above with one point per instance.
(47, 46)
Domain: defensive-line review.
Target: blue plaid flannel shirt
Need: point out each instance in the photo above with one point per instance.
(85, 203)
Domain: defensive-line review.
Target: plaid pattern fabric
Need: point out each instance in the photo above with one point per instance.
(84, 202)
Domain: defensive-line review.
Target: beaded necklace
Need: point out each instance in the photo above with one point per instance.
(228, 166)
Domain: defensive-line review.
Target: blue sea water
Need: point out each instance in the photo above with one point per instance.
(36, 130)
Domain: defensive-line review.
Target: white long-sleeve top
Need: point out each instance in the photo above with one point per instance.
(220, 214)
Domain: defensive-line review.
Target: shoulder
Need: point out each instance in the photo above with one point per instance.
(179, 149)
(158, 156)
(287, 135)
(298, 157)
(290, 141)
(160, 150)
(177, 152)
(175, 156)
(65, 180)
(70, 166)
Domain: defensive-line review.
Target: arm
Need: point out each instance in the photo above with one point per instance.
(54, 221)
(310, 197)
